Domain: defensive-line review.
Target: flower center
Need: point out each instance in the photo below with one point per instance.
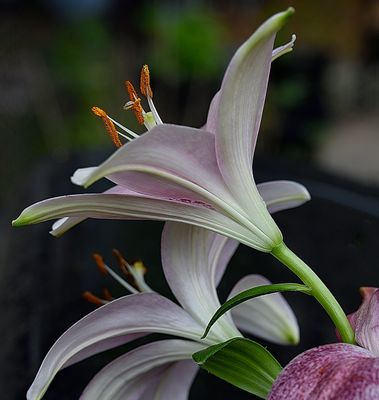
(149, 119)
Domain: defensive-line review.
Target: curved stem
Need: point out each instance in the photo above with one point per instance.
(319, 291)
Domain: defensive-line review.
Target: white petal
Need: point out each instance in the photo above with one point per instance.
(268, 316)
(109, 206)
(283, 195)
(139, 313)
(190, 259)
(115, 380)
(242, 96)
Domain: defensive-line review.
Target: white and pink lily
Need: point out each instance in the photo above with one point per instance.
(194, 260)
(338, 371)
(196, 176)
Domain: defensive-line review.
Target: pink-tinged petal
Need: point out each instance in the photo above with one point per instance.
(169, 162)
(64, 224)
(337, 371)
(242, 96)
(129, 315)
(118, 379)
(107, 206)
(176, 382)
(211, 124)
(190, 258)
(366, 293)
(283, 195)
(366, 321)
(269, 317)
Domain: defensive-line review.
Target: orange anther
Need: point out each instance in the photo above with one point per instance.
(145, 82)
(93, 299)
(109, 125)
(107, 295)
(122, 263)
(135, 102)
(100, 263)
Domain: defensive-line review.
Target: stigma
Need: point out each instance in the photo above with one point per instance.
(149, 118)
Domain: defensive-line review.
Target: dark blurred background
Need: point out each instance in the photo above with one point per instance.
(320, 126)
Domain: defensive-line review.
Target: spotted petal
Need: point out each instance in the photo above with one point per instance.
(337, 371)
(268, 317)
(129, 315)
(151, 371)
(366, 321)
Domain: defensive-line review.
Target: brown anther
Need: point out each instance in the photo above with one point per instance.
(135, 102)
(107, 295)
(109, 125)
(122, 263)
(145, 82)
(93, 299)
(100, 263)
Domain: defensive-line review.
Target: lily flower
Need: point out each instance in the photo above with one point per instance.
(338, 371)
(194, 260)
(196, 176)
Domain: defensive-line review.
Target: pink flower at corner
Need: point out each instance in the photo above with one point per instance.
(338, 371)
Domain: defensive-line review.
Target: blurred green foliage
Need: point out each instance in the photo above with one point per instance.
(186, 42)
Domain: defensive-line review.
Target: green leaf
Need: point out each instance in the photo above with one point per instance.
(243, 363)
(255, 292)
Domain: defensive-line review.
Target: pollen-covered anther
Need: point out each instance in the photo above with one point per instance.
(145, 82)
(100, 263)
(109, 125)
(134, 103)
(90, 297)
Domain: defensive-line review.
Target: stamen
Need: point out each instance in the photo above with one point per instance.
(93, 299)
(122, 263)
(100, 263)
(109, 125)
(140, 267)
(134, 273)
(145, 82)
(107, 295)
(135, 102)
(131, 133)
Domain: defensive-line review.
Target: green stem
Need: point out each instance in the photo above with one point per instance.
(319, 291)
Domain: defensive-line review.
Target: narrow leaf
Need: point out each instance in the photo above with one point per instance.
(255, 292)
(243, 363)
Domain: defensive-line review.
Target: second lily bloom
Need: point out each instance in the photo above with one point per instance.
(193, 261)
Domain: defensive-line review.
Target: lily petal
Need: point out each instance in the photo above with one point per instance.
(171, 162)
(211, 124)
(109, 206)
(367, 322)
(118, 379)
(190, 258)
(242, 96)
(138, 313)
(337, 371)
(283, 195)
(269, 317)
(176, 382)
